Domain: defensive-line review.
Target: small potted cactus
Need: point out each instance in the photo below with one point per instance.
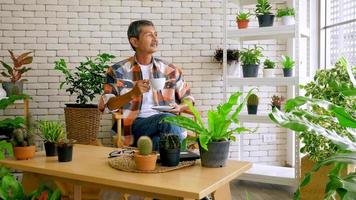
(252, 104)
(277, 102)
(51, 132)
(23, 142)
(169, 150)
(145, 159)
(65, 149)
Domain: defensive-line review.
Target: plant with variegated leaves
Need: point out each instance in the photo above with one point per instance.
(15, 72)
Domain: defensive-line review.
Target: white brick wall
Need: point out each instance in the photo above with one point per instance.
(189, 33)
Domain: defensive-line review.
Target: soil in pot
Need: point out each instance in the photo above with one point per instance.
(250, 70)
(216, 155)
(252, 109)
(265, 20)
(287, 72)
(242, 24)
(65, 152)
(24, 153)
(51, 149)
(169, 157)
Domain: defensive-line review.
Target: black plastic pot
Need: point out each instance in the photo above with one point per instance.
(250, 70)
(252, 109)
(216, 155)
(13, 88)
(169, 157)
(278, 107)
(51, 149)
(265, 20)
(287, 72)
(65, 152)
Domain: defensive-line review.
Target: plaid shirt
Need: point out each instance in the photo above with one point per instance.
(122, 76)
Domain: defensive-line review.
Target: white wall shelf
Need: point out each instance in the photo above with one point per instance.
(259, 118)
(253, 2)
(261, 81)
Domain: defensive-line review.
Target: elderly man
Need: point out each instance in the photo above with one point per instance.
(129, 88)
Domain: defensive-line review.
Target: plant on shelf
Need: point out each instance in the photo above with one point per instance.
(287, 14)
(51, 132)
(232, 55)
(169, 149)
(288, 64)
(250, 60)
(216, 136)
(252, 104)
(302, 116)
(242, 19)
(85, 81)
(268, 70)
(15, 85)
(277, 101)
(145, 159)
(264, 14)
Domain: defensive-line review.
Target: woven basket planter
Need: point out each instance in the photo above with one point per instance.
(82, 124)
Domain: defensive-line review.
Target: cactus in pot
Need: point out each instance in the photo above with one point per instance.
(252, 104)
(145, 159)
(23, 142)
(169, 150)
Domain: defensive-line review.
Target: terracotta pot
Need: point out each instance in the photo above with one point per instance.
(241, 24)
(24, 153)
(145, 163)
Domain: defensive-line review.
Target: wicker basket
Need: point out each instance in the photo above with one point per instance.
(82, 124)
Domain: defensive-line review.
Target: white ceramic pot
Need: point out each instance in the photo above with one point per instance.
(233, 68)
(2, 92)
(288, 20)
(268, 72)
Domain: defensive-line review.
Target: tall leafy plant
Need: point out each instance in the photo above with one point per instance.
(251, 56)
(87, 79)
(15, 72)
(301, 117)
(263, 7)
(219, 121)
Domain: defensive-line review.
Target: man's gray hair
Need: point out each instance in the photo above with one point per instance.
(134, 29)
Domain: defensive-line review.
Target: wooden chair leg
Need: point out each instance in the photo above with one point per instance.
(222, 193)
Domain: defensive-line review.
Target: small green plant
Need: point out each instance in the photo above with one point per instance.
(252, 100)
(287, 62)
(277, 101)
(23, 137)
(263, 7)
(269, 64)
(144, 145)
(169, 141)
(251, 56)
(51, 131)
(243, 16)
(219, 121)
(87, 79)
(15, 72)
(285, 12)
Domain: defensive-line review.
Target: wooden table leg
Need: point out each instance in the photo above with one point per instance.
(77, 192)
(222, 193)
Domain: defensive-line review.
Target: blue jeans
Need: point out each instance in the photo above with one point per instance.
(152, 127)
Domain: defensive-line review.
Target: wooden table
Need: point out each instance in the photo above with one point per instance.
(90, 166)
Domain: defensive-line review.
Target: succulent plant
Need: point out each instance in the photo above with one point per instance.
(15, 72)
(169, 141)
(277, 101)
(51, 131)
(22, 138)
(144, 145)
(252, 100)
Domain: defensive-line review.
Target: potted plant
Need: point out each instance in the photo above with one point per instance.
(287, 14)
(250, 59)
(65, 149)
(169, 150)
(85, 82)
(242, 19)
(214, 138)
(51, 132)
(145, 159)
(23, 141)
(232, 56)
(276, 101)
(288, 64)
(252, 104)
(268, 70)
(15, 85)
(263, 13)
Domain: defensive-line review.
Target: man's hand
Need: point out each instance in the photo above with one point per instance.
(178, 108)
(141, 86)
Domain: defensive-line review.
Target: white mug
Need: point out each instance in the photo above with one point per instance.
(158, 83)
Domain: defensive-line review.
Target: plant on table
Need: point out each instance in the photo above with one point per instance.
(169, 149)
(51, 132)
(145, 159)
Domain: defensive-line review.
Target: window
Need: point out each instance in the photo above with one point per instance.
(337, 31)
